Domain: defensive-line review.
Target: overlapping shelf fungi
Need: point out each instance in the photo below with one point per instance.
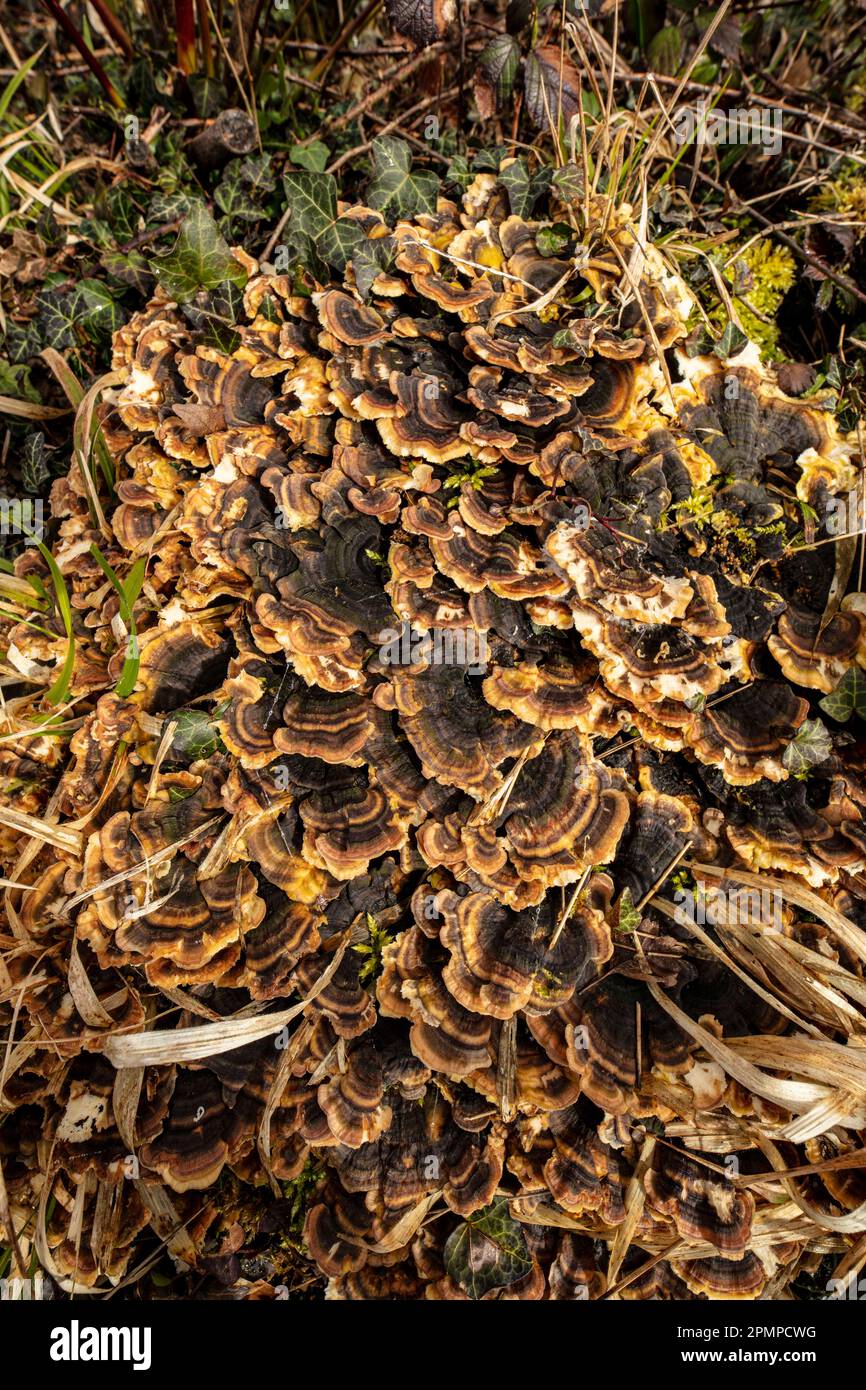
(483, 628)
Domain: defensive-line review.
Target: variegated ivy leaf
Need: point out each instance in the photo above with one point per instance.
(487, 1251)
(629, 915)
(848, 698)
(395, 190)
(811, 746)
(35, 472)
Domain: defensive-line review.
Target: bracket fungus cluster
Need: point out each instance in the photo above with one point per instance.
(318, 896)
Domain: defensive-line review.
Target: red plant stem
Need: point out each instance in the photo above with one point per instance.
(204, 35)
(184, 15)
(114, 27)
(90, 59)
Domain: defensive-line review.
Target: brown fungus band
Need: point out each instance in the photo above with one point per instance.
(469, 844)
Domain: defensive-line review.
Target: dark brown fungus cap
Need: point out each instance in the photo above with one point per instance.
(703, 1204)
(502, 961)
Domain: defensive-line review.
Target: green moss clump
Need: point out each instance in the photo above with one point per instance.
(769, 272)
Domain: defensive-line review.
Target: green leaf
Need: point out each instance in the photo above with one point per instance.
(196, 735)
(57, 319)
(568, 181)
(370, 258)
(314, 224)
(60, 687)
(395, 190)
(515, 180)
(696, 702)
(243, 189)
(312, 198)
(96, 307)
(848, 698)
(629, 915)
(200, 258)
(130, 269)
(167, 207)
(811, 746)
(208, 95)
(524, 190)
(499, 62)
(35, 472)
(665, 51)
(489, 160)
(732, 341)
(553, 239)
(336, 244)
(313, 156)
(458, 171)
(487, 1251)
(232, 196)
(127, 592)
(15, 381)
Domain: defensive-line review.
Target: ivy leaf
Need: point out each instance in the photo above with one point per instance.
(458, 171)
(15, 381)
(97, 308)
(128, 269)
(200, 258)
(314, 156)
(848, 698)
(487, 1251)
(629, 915)
(168, 207)
(337, 243)
(696, 702)
(568, 181)
(232, 194)
(314, 221)
(488, 161)
(394, 189)
(700, 342)
(732, 341)
(498, 63)
(57, 317)
(553, 239)
(35, 472)
(370, 258)
(551, 85)
(214, 314)
(313, 200)
(196, 736)
(811, 746)
(208, 95)
(515, 180)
